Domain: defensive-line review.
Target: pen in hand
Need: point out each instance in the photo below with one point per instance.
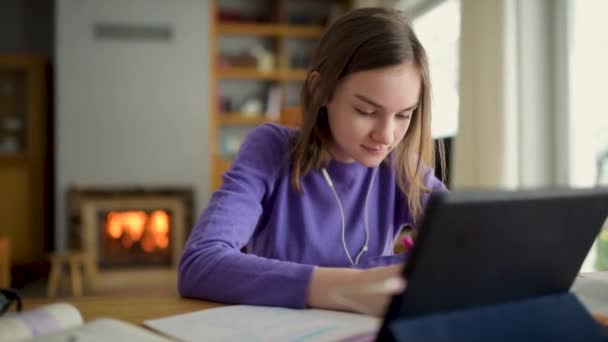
(407, 242)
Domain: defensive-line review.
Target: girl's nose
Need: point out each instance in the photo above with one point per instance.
(383, 133)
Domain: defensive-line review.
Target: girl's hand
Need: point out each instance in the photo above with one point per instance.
(365, 291)
(371, 290)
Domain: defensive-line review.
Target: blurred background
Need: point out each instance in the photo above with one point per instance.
(118, 117)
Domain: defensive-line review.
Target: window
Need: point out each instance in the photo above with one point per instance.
(588, 163)
(588, 105)
(439, 32)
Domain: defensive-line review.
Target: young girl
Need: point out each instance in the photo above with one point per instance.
(319, 209)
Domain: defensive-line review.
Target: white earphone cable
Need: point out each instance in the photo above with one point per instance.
(365, 245)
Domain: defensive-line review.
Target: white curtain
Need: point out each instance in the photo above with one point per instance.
(512, 91)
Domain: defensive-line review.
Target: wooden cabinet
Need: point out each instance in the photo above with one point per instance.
(259, 48)
(24, 157)
(5, 262)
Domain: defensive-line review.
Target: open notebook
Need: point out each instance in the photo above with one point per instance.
(260, 323)
(63, 322)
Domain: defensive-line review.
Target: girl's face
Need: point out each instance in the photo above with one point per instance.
(371, 111)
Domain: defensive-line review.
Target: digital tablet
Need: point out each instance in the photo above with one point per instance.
(482, 248)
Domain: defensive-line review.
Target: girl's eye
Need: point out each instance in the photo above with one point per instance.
(364, 113)
(404, 116)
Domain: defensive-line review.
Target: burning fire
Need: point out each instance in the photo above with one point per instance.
(152, 231)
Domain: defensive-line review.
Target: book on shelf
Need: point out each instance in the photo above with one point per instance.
(63, 322)
(273, 103)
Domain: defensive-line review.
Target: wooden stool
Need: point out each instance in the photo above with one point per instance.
(5, 261)
(75, 261)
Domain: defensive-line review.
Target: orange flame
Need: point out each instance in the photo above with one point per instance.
(136, 226)
(159, 222)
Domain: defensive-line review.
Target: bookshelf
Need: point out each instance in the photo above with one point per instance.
(242, 119)
(271, 30)
(254, 74)
(259, 51)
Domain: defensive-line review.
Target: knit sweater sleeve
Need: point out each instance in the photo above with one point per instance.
(212, 266)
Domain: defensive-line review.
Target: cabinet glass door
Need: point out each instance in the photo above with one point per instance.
(13, 110)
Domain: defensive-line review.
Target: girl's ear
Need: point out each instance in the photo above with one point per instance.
(313, 81)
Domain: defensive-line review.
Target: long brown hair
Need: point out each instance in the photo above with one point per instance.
(364, 39)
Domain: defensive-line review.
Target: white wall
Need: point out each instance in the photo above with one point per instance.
(131, 112)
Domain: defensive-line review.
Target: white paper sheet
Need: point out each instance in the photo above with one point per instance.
(592, 290)
(259, 323)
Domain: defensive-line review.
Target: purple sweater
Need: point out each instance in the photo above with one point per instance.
(287, 233)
